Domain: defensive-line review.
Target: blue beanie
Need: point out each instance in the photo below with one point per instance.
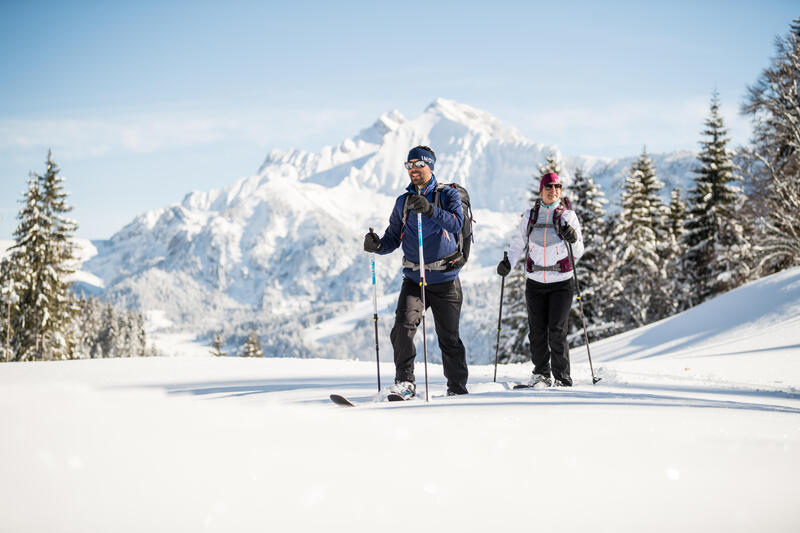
(423, 155)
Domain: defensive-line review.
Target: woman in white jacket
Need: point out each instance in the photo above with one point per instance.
(543, 235)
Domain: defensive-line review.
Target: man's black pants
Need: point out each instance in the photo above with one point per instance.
(445, 300)
(548, 319)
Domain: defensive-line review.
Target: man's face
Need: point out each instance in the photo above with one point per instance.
(419, 176)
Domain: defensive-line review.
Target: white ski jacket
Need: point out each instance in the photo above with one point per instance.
(546, 247)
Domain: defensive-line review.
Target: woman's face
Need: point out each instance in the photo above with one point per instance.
(551, 193)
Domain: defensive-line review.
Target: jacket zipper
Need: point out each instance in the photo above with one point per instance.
(546, 218)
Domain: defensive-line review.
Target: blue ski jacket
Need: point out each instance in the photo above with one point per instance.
(439, 233)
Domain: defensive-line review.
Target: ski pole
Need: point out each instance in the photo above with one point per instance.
(499, 319)
(580, 305)
(375, 314)
(422, 290)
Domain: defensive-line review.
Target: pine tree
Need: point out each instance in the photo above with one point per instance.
(108, 332)
(122, 339)
(37, 267)
(772, 164)
(716, 251)
(592, 269)
(677, 286)
(60, 257)
(252, 346)
(637, 291)
(677, 215)
(25, 266)
(216, 346)
(9, 303)
(141, 335)
(552, 163)
(93, 328)
(84, 326)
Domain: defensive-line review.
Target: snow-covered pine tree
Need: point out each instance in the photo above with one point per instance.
(252, 346)
(141, 335)
(39, 262)
(637, 291)
(108, 332)
(716, 251)
(588, 202)
(94, 328)
(131, 338)
(88, 330)
(60, 341)
(677, 215)
(122, 339)
(552, 163)
(25, 263)
(216, 346)
(676, 279)
(9, 301)
(772, 163)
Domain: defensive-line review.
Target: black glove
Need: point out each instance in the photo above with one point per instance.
(568, 233)
(420, 204)
(504, 267)
(372, 243)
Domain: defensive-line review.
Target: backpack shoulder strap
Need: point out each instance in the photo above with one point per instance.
(406, 209)
(437, 195)
(533, 216)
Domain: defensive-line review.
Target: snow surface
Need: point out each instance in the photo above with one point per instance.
(695, 426)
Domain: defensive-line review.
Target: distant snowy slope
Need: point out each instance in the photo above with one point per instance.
(763, 314)
(750, 335)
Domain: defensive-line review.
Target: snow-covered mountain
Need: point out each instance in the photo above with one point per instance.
(280, 251)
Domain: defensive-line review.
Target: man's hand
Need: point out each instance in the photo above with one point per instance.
(372, 243)
(504, 267)
(568, 233)
(420, 204)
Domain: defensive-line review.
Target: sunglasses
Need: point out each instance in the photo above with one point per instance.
(415, 164)
(552, 186)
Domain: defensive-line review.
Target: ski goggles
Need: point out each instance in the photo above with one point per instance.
(552, 186)
(415, 164)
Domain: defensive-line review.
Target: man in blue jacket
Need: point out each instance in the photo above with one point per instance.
(440, 228)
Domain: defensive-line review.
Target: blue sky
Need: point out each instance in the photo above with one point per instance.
(142, 102)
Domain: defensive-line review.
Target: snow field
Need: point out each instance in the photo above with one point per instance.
(203, 444)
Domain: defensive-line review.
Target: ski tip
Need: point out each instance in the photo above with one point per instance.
(341, 400)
